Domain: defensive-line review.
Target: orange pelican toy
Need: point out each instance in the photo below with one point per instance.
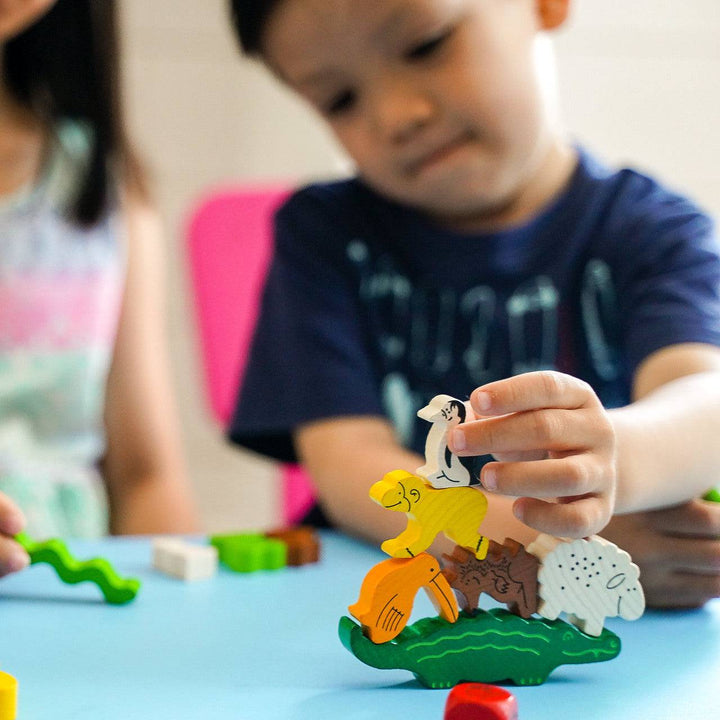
(388, 592)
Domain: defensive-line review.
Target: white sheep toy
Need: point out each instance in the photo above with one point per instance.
(588, 579)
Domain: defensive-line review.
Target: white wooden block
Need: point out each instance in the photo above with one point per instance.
(184, 560)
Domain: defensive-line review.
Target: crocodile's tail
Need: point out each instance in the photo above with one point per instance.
(116, 590)
(384, 656)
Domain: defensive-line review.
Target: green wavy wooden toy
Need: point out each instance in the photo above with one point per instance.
(490, 647)
(116, 590)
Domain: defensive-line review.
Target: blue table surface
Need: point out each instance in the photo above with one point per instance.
(265, 645)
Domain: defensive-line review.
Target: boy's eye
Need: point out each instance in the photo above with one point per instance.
(341, 103)
(427, 47)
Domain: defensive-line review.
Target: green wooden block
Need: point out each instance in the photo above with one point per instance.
(712, 495)
(249, 552)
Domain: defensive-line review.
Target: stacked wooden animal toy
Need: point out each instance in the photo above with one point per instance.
(588, 580)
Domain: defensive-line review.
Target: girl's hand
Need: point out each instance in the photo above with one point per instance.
(12, 556)
(677, 550)
(555, 449)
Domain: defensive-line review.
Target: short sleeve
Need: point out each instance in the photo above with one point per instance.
(669, 268)
(309, 358)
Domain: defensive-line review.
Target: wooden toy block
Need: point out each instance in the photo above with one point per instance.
(712, 495)
(388, 592)
(442, 468)
(8, 697)
(490, 647)
(184, 560)
(457, 512)
(249, 552)
(507, 573)
(587, 579)
(116, 590)
(480, 701)
(303, 544)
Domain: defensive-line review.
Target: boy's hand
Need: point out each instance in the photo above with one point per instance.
(12, 556)
(555, 448)
(677, 550)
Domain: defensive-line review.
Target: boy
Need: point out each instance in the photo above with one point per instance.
(478, 247)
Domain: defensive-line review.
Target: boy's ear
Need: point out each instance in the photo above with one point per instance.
(552, 13)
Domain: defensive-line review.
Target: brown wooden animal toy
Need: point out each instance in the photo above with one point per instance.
(508, 573)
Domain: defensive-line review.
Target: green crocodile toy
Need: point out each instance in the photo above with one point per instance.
(490, 647)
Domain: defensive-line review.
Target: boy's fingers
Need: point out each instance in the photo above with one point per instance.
(698, 519)
(692, 555)
(551, 478)
(683, 590)
(12, 556)
(529, 391)
(576, 519)
(703, 558)
(12, 521)
(553, 430)
(704, 587)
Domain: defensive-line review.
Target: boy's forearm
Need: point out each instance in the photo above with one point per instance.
(345, 457)
(667, 444)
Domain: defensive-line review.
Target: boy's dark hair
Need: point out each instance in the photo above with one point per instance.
(66, 66)
(249, 18)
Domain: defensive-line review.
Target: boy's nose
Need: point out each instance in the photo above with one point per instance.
(399, 111)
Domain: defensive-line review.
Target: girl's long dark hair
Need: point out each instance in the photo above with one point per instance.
(66, 66)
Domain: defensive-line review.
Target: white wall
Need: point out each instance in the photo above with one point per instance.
(639, 82)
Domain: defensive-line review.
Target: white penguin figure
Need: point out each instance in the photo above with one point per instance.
(442, 468)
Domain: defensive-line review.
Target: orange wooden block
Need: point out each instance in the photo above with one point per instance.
(479, 701)
(456, 511)
(303, 545)
(388, 592)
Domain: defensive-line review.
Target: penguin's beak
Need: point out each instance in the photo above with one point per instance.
(429, 413)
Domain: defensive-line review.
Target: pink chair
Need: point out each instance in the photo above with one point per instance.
(230, 247)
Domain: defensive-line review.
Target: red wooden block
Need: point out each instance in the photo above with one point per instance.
(479, 701)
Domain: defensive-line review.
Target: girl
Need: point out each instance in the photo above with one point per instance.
(87, 438)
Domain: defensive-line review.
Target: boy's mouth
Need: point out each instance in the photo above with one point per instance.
(436, 154)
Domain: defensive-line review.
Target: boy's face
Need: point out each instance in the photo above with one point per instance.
(18, 15)
(438, 101)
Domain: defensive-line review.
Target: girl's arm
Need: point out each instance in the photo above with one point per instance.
(143, 467)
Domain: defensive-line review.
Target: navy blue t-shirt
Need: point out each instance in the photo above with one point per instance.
(371, 309)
